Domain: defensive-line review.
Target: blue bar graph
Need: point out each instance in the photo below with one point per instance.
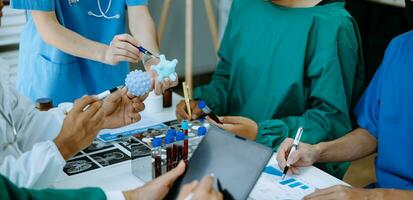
(288, 181)
(293, 185)
(273, 171)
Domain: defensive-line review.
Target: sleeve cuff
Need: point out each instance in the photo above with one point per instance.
(114, 195)
(42, 5)
(136, 2)
(59, 156)
(271, 133)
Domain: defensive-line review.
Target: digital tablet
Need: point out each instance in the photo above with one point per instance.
(235, 161)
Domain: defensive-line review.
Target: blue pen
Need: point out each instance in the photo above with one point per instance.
(145, 51)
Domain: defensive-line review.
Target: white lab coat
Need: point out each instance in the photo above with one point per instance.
(34, 160)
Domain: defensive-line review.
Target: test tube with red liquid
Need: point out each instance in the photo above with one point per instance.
(180, 138)
(185, 129)
(170, 154)
(156, 156)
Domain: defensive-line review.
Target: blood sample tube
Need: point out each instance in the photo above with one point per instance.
(185, 129)
(175, 149)
(156, 156)
(180, 137)
(171, 131)
(206, 110)
(170, 155)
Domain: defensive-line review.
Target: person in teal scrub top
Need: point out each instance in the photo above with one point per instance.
(286, 64)
(70, 48)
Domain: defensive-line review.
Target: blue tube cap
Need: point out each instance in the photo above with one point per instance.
(180, 136)
(201, 105)
(202, 131)
(185, 125)
(156, 142)
(169, 139)
(171, 132)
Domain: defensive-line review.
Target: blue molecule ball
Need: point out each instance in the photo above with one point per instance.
(138, 83)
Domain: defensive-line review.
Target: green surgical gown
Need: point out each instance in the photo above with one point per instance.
(289, 67)
(9, 191)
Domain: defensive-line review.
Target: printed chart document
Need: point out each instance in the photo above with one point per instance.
(146, 122)
(270, 185)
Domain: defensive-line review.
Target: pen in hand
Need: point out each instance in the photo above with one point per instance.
(293, 148)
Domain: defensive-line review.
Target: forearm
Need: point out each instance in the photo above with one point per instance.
(142, 27)
(389, 194)
(355, 145)
(66, 40)
(33, 169)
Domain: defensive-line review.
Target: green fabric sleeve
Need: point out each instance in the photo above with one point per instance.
(9, 191)
(215, 94)
(331, 81)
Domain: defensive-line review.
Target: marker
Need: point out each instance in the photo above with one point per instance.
(202, 105)
(103, 95)
(293, 148)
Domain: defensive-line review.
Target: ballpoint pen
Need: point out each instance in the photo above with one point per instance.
(225, 193)
(187, 99)
(293, 148)
(145, 51)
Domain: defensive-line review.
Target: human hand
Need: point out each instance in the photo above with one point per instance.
(157, 188)
(305, 155)
(240, 126)
(80, 127)
(122, 108)
(122, 48)
(345, 193)
(200, 191)
(159, 86)
(181, 111)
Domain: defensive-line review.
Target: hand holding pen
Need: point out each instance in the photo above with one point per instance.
(290, 158)
(293, 149)
(200, 190)
(121, 48)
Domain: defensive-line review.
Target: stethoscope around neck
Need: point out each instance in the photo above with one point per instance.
(102, 14)
(10, 121)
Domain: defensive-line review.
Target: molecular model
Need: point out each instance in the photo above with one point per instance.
(138, 83)
(165, 68)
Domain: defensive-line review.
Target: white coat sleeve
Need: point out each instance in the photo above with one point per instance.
(37, 168)
(40, 162)
(33, 126)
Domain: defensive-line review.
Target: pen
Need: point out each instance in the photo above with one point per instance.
(225, 193)
(293, 148)
(144, 51)
(103, 95)
(186, 95)
(190, 195)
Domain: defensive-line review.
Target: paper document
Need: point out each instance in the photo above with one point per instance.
(109, 135)
(271, 186)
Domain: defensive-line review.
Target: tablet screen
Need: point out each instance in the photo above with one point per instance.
(235, 161)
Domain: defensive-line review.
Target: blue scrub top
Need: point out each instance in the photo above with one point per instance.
(45, 71)
(386, 111)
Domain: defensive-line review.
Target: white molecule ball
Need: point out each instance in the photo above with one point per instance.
(138, 83)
